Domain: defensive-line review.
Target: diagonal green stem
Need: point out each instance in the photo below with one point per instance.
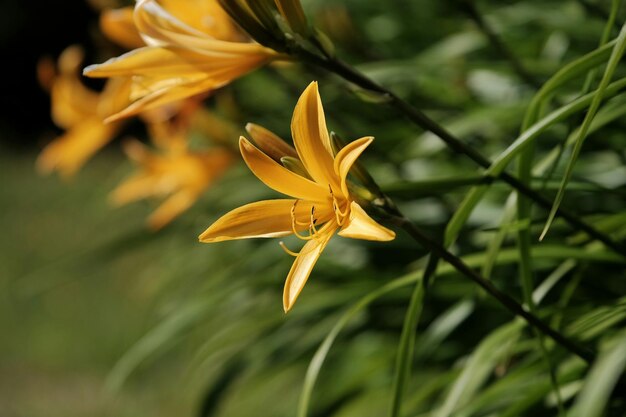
(505, 300)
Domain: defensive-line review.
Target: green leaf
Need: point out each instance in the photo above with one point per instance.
(442, 326)
(404, 360)
(479, 367)
(616, 56)
(601, 380)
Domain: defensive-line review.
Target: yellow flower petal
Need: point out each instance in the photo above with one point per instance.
(278, 177)
(310, 136)
(71, 101)
(346, 158)
(158, 27)
(181, 59)
(271, 144)
(361, 226)
(173, 172)
(204, 15)
(162, 75)
(155, 101)
(171, 208)
(115, 97)
(69, 152)
(269, 218)
(118, 26)
(135, 188)
(304, 263)
(151, 61)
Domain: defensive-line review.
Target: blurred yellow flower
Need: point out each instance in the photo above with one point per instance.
(192, 47)
(80, 111)
(174, 173)
(321, 201)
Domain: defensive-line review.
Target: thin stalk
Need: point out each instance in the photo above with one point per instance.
(505, 300)
(606, 34)
(338, 67)
(596, 10)
(524, 209)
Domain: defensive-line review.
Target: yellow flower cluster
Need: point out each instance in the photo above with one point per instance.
(180, 52)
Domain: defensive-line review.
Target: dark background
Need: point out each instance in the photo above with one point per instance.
(28, 31)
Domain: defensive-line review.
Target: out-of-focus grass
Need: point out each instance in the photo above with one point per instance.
(66, 313)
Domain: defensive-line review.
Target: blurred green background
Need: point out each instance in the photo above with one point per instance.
(101, 317)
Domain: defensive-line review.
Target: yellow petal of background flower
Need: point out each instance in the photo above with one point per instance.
(148, 60)
(71, 101)
(206, 16)
(119, 27)
(135, 188)
(361, 226)
(269, 218)
(304, 263)
(310, 136)
(162, 75)
(156, 100)
(346, 158)
(115, 97)
(159, 27)
(171, 208)
(69, 152)
(278, 177)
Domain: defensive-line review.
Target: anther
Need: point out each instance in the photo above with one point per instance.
(286, 249)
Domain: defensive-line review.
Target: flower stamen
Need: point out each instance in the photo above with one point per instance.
(294, 223)
(339, 214)
(286, 249)
(312, 229)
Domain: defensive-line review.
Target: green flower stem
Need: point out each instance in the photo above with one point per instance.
(338, 67)
(505, 300)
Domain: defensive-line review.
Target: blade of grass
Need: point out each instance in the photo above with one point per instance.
(404, 359)
(606, 34)
(616, 55)
(319, 357)
(443, 326)
(601, 380)
(475, 195)
(507, 256)
(480, 365)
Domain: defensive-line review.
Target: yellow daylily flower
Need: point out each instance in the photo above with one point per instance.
(192, 48)
(80, 111)
(174, 173)
(321, 201)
